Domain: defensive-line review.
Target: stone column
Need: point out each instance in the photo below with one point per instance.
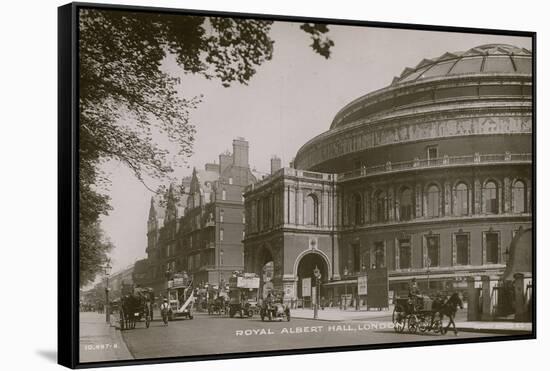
(519, 304)
(323, 216)
(477, 197)
(418, 200)
(447, 198)
(367, 206)
(507, 195)
(299, 206)
(474, 284)
(291, 204)
(487, 285)
(391, 203)
(290, 289)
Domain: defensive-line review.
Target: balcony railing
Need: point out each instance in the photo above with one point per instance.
(445, 161)
(289, 172)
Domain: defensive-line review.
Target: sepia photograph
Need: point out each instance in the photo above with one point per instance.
(251, 185)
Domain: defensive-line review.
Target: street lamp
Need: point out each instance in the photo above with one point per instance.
(317, 275)
(428, 264)
(345, 288)
(107, 270)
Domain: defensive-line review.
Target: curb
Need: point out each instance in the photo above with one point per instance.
(122, 352)
(497, 331)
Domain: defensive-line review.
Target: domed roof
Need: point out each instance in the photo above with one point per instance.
(489, 58)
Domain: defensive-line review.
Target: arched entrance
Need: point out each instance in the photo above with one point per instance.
(265, 271)
(306, 285)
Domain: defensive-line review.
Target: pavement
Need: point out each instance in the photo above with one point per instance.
(220, 334)
(338, 315)
(100, 341)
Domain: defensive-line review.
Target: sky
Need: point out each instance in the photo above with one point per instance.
(291, 99)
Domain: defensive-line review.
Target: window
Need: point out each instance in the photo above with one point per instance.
(221, 216)
(461, 202)
(431, 153)
(405, 253)
(356, 257)
(224, 195)
(462, 249)
(406, 205)
(433, 201)
(221, 234)
(311, 210)
(490, 198)
(518, 197)
(432, 253)
(379, 255)
(357, 209)
(491, 247)
(230, 180)
(381, 207)
(244, 218)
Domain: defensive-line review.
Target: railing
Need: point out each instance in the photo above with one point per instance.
(289, 172)
(436, 162)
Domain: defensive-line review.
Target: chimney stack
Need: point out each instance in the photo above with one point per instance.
(275, 164)
(240, 152)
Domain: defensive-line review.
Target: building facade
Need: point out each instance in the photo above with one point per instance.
(430, 177)
(198, 226)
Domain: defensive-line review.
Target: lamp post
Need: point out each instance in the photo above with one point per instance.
(317, 275)
(107, 269)
(345, 288)
(428, 264)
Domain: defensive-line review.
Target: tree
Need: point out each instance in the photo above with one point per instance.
(126, 99)
(93, 251)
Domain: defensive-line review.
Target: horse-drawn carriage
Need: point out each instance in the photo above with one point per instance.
(136, 307)
(422, 313)
(273, 308)
(218, 302)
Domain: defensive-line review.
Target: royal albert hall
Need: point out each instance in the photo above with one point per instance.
(430, 177)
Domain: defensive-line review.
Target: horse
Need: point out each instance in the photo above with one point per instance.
(448, 309)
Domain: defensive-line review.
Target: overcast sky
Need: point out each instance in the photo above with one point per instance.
(291, 98)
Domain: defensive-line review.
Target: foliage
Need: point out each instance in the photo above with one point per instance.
(127, 100)
(93, 251)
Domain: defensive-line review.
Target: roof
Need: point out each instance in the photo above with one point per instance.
(488, 58)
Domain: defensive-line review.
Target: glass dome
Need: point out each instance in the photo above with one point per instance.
(489, 58)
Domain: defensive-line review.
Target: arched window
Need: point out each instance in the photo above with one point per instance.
(490, 198)
(519, 197)
(357, 209)
(381, 206)
(311, 214)
(461, 202)
(433, 201)
(406, 205)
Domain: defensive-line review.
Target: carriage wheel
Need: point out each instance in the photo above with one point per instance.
(437, 326)
(412, 324)
(423, 324)
(398, 319)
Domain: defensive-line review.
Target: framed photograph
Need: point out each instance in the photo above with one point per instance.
(241, 185)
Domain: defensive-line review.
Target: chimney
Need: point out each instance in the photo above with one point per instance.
(225, 161)
(240, 152)
(275, 164)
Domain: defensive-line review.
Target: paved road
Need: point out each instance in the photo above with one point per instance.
(217, 334)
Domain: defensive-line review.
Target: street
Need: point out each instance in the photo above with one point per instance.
(219, 334)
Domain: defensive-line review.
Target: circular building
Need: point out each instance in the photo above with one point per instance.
(431, 175)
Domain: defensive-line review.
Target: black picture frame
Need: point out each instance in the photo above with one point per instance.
(68, 173)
